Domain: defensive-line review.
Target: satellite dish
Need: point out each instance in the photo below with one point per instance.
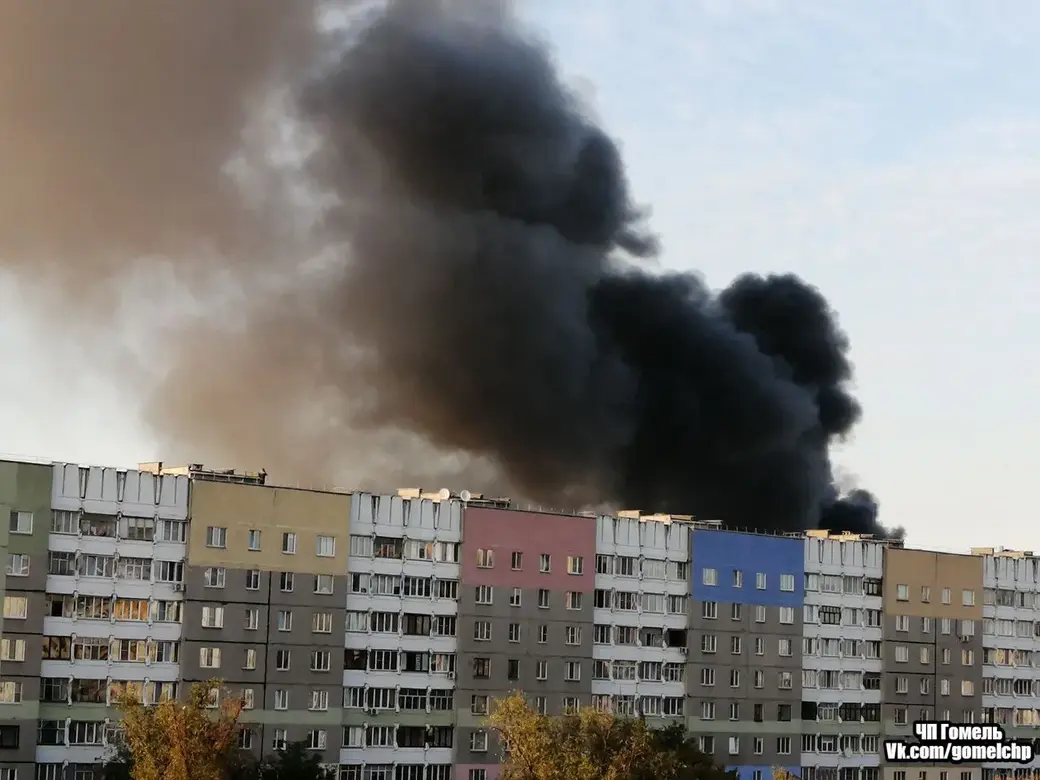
(465, 495)
(444, 494)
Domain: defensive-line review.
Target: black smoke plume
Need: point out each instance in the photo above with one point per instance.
(476, 305)
(491, 277)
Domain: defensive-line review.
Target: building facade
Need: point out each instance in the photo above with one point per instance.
(745, 684)
(801, 652)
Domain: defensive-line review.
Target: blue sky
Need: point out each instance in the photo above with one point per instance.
(889, 152)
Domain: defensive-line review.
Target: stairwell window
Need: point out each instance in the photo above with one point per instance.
(216, 537)
(289, 544)
(326, 547)
(21, 522)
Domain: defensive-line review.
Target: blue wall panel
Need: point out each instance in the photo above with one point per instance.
(728, 552)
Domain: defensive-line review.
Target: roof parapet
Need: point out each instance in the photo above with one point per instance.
(199, 472)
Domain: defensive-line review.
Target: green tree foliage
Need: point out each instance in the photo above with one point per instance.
(594, 746)
(296, 762)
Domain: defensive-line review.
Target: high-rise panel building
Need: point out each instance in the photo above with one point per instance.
(378, 630)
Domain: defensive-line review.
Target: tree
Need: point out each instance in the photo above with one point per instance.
(175, 741)
(594, 745)
(295, 762)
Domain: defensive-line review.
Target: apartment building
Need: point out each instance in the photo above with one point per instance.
(933, 652)
(525, 620)
(745, 677)
(402, 627)
(264, 590)
(798, 651)
(641, 635)
(842, 657)
(25, 498)
(1010, 645)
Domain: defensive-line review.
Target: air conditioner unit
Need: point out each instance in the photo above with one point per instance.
(178, 586)
(451, 675)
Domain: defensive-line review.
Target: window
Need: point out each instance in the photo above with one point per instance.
(250, 659)
(545, 563)
(280, 740)
(516, 597)
(21, 522)
(514, 632)
(321, 623)
(319, 701)
(787, 583)
(216, 537)
(926, 594)
(214, 577)
(12, 649)
(760, 581)
(253, 579)
(902, 592)
(285, 620)
(323, 584)
(517, 561)
(10, 693)
(289, 543)
(902, 623)
(321, 661)
(967, 688)
(542, 670)
(946, 596)
(483, 595)
(281, 699)
(254, 540)
(252, 619)
(734, 746)
(485, 559)
(482, 630)
(282, 660)
(209, 657)
(16, 607)
(902, 654)
(326, 547)
(317, 739)
(543, 598)
(575, 564)
(245, 739)
(478, 742)
(572, 671)
(212, 617)
(968, 598)
(286, 582)
(709, 610)
(574, 600)
(17, 565)
(709, 576)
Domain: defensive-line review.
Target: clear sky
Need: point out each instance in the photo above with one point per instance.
(887, 151)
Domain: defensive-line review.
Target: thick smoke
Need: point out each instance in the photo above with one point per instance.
(481, 292)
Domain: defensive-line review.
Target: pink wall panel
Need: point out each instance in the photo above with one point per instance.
(531, 533)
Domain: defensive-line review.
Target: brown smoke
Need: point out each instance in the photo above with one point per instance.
(117, 117)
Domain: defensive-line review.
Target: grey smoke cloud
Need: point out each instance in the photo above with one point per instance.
(482, 307)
